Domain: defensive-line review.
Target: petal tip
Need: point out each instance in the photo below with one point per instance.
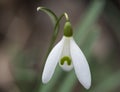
(45, 80)
(87, 84)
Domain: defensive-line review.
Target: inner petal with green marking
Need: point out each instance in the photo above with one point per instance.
(66, 63)
(65, 59)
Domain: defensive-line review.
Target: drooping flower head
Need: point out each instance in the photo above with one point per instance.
(69, 56)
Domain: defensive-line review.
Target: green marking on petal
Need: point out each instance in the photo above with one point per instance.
(68, 32)
(65, 59)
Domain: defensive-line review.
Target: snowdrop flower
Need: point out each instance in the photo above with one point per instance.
(68, 55)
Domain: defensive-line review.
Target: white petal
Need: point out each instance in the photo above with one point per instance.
(66, 67)
(66, 52)
(80, 65)
(52, 61)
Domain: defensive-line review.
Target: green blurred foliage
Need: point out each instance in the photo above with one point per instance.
(104, 77)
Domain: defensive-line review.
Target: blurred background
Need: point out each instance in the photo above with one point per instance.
(25, 37)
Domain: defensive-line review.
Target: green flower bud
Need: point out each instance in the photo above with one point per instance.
(68, 29)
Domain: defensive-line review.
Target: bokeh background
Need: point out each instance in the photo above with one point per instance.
(25, 37)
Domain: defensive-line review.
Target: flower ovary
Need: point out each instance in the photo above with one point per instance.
(68, 32)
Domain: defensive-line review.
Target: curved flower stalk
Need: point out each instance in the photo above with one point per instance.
(68, 55)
